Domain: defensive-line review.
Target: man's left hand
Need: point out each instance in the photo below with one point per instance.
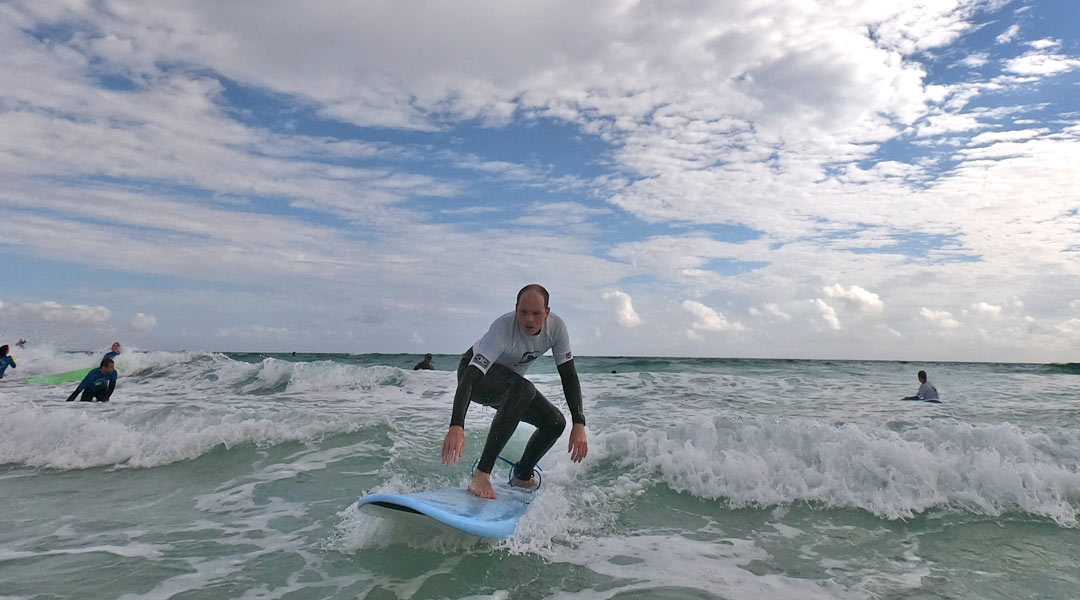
(579, 446)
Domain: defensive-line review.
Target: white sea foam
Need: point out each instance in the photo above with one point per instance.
(987, 469)
(79, 436)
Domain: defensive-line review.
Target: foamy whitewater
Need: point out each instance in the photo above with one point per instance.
(237, 475)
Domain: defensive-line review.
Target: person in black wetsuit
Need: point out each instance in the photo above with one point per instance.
(492, 373)
(424, 364)
(98, 385)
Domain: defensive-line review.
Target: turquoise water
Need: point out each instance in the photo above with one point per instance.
(236, 476)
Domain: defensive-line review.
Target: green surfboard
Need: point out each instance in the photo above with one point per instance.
(68, 377)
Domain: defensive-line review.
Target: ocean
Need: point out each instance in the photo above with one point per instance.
(230, 475)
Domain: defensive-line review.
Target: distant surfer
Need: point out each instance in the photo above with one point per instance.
(98, 385)
(424, 364)
(21, 343)
(114, 351)
(5, 360)
(927, 392)
(492, 373)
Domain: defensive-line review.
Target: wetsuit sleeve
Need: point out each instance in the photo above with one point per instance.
(572, 390)
(71, 398)
(112, 386)
(464, 394)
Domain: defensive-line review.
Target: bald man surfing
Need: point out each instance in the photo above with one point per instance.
(492, 373)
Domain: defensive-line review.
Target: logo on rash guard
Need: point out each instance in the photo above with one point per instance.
(528, 357)
(481, 360)
(567, 356)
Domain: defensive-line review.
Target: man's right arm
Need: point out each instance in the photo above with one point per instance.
(454, 442)
(471, 375)
(78, 389)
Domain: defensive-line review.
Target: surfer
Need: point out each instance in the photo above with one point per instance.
(927, 392)
(114, 351)
(5, 360)
(98, 384)
(424, 364)
(492, 373)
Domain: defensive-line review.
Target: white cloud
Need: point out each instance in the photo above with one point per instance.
(1044, 43)
(984, 308)
(54, 313)
(1043, 64)
(941, 319)
(993, 137)
(695, 119)
(143, 322)
(855, 298)
(1008, 35)
(942, 123)
(770, 309)
(975, 60)
(625, 315)
(261, 332)
(1070, 328)
(707, 319)
(828, 313)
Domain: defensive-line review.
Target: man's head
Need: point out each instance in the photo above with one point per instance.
(4, 350)
(107, 365)
(532, 308)
(922, 376)
(116, 347)
(427, 356)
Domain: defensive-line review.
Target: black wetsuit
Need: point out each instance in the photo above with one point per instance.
(515, 399)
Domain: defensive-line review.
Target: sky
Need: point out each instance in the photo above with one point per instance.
(840, 179)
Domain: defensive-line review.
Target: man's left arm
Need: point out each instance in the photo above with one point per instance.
(579, 445)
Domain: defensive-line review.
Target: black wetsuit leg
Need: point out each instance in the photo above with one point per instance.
(515, 399)
(87, 395)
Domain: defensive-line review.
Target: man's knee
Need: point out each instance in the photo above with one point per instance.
(558, 423)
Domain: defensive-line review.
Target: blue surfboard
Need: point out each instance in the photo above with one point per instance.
(460, 509)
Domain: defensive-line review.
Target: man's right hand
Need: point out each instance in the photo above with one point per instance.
(453, 445)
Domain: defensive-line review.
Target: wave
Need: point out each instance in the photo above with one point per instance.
(1069, 368)
(985, 469)
(80, 439)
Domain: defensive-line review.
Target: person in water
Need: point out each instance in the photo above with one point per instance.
(114, 351)
(5, 360)
(492, 373)
(98, 385)
(927, 392)
(424, 364)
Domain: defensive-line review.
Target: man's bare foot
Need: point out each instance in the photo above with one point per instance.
(481, 485)
(530, 484)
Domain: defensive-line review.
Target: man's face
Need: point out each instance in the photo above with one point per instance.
(531, 313)
(108, 369)
(116, 347)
